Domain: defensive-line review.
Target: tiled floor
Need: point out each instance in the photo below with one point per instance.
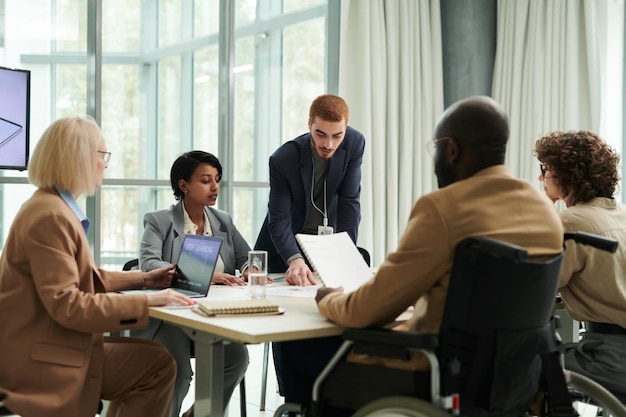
(253, 388)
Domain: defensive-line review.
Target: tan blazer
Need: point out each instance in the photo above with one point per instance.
(593, 282)
(54, 307)
(490, 203)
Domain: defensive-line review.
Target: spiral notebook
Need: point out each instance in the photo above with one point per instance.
(212, 308)
(336, 260)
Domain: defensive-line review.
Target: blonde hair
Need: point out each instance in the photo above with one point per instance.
(65, 156)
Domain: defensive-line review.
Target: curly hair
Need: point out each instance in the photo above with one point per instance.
(582, 164)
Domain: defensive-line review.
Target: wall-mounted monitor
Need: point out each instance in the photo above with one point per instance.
(14, 118)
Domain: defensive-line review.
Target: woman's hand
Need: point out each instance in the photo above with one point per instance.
(159, 278)
(227, 279)
(169, 297)
(245, 277)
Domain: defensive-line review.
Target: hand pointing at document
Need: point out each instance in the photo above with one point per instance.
(299, 273)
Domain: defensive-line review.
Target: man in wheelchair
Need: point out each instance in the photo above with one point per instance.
(478, 196)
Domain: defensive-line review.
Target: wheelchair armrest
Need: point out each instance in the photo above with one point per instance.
(390, 343)
(590, 239)
(427, 341)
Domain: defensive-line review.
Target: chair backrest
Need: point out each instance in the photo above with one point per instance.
(130, 265)
(365, 254)
(496, 325)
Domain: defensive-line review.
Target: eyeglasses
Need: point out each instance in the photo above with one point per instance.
(106, 156)
(431, 145)
(546, 173)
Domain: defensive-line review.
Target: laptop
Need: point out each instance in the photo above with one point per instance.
(195, 267)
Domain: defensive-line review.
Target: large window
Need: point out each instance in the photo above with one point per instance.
(231, 77)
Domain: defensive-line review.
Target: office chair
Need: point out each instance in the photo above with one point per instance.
(134, 264)
(131, 265)
(496, 351)
(365, 254)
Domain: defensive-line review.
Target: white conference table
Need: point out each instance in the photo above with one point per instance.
(301, 320)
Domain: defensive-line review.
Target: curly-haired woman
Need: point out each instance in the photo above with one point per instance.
(579, 168)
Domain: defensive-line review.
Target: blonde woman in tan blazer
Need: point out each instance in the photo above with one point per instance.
(55, 303)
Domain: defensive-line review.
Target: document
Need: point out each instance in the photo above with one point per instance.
(336, 259)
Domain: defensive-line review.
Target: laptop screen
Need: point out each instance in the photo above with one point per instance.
(197, 262)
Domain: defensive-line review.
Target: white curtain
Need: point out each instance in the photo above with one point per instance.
(391, 77)
(547, 72)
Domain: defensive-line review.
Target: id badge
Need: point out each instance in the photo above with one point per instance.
(324, 230)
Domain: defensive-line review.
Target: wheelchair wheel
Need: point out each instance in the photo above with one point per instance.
(587, 393)
(400, 407)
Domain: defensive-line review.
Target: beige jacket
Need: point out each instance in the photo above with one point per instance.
(490, 203)
(54, 307)
(593, 282)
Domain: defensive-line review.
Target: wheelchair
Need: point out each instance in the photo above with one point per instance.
(497, 354)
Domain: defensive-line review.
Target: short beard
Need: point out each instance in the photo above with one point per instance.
(446, 175)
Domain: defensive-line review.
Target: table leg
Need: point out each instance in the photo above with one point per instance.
(209, 375)
(266, 357)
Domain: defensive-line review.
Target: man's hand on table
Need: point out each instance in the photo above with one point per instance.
(299, 273)
(324, 291)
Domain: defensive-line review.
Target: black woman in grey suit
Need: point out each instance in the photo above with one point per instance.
(195, 180)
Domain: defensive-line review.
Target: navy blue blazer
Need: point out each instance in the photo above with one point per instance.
(291, 170)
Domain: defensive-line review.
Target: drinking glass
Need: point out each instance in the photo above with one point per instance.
(257, 273)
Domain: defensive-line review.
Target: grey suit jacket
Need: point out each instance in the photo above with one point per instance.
(164, 232)
(162, 241)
